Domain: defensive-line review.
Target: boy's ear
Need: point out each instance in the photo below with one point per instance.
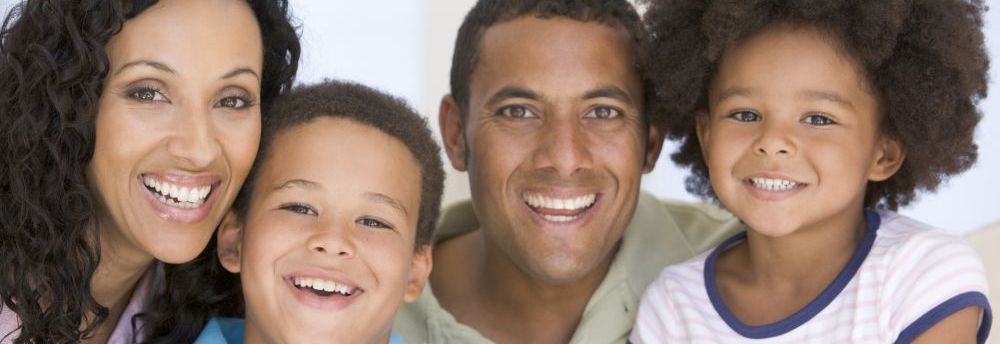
(453, 132)
(420, 270)
(230, 242)
(889, 157)
(654, 143)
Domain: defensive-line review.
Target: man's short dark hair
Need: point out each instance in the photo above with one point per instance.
(367, 106)
(487, 13)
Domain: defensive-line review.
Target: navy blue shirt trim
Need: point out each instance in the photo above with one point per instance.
(872, 220)
(946, 309)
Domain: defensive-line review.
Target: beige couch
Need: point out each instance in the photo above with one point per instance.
(986, 240)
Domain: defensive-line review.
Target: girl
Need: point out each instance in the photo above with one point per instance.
(807, 117)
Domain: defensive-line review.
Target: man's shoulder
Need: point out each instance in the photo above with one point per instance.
(425, 321)
(700, 225)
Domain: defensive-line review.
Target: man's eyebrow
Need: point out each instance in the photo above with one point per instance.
(157, 65)
(298, 182)
(385, 199)
(512, 92)
(241, 70)
(613, 92)
(827, 96)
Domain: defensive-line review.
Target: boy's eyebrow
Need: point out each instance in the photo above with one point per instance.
(827, 96)
(385, 199)
(298, 182)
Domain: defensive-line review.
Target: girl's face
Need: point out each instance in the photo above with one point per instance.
(327, 246)
(177, 126)
(791, 137)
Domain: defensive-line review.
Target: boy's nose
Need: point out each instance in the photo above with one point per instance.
(332, 241)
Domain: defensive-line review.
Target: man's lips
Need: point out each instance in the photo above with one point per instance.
(560, 209)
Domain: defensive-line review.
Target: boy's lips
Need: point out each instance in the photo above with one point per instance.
(323, 290)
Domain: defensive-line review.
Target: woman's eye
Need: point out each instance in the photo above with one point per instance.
(146, 94)
(370, 222)
(516, 111)
(745, 116)
(603, 112)
(234, 102)
(819, 120)
(297, 208)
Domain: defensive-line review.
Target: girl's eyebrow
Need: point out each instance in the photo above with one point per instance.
(298, 182)
(829, 96)
(387, 200)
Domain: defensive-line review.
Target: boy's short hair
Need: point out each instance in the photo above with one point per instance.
(362, 104)
(487, 13)
(925, 61)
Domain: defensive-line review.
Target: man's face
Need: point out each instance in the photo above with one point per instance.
(554, 143)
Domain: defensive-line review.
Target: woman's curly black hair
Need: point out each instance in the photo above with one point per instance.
(53, 64)
(925, 59)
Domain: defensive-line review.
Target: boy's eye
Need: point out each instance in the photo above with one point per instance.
(603, 112)
(745, 116)
(818, 120)
(298, 208)
(374, 223)
(146, 94)
(516, 111)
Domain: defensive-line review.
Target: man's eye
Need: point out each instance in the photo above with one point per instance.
(603, 112)
(297, 208)
(516, 111)
(146, 94)
(235, 102)
(745, 116)
(370, 222)
(818, 120)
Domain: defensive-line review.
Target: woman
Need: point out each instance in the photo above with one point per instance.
(126, 130)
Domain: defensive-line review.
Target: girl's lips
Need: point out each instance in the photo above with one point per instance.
(778, 192)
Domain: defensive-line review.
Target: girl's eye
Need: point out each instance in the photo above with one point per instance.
(370, 222)
(516, 111)
(603, 112)
(818, 120)
(146, 94)
(235, 102)
(745, 116)
(300, 209)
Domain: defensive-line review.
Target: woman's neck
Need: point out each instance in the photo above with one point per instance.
(119, 270)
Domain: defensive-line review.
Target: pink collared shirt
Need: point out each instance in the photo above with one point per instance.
(122, 334)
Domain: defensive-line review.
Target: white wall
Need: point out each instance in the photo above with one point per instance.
(404, 47)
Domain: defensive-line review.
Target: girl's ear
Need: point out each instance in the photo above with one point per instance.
(420, 270)
(888, 158)
(702, 126)
(230, 242)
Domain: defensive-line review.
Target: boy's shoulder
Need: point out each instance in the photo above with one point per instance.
(222, 331)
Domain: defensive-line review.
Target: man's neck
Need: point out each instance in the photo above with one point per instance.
(479, 285)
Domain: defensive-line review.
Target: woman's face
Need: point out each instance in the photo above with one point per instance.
(177, 127)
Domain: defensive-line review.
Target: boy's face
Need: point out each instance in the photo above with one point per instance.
(326, 253)
(791, 137)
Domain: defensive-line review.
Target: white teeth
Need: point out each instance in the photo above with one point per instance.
(178, 196)
(323, 285)
(559, 218)
(539, 201)
(773, 184)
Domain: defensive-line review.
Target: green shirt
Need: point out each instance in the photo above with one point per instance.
(661, 233)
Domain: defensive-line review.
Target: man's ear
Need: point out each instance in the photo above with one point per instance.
(654, 144)
(452, 132)
(420, 270)
(230, 242)
(888, 159)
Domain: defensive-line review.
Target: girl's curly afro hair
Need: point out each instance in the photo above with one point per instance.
(925, 59)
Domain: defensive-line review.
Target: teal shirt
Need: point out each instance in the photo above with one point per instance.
(230, 331)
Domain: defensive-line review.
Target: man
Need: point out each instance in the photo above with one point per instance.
(546, 116)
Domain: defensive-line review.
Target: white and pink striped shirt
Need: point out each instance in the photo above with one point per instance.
(903, 278)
